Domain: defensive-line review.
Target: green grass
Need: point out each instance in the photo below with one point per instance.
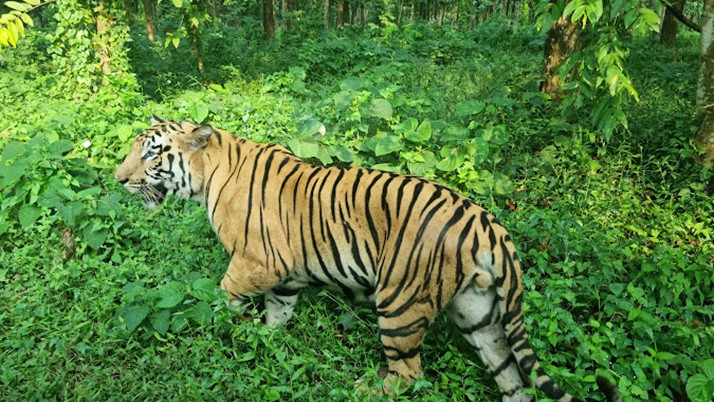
(615, 239)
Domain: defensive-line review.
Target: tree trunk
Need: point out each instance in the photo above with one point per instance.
(347, 17)
(102, 48)
(288, 18)
(705, 90)
(149, 19)
(268, 20)
(328, 13)
(196, 46)
(561, 40)
(340, 14)
(668, 32)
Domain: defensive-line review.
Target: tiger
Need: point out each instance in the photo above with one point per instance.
(409, 245)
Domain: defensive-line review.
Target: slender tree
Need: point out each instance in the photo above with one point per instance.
(705, 91)
(149, 19)
(561, 40)
(103, 22)
(288, 18)
(268, 19)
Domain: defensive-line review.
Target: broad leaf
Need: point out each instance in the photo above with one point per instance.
(171, 295)
(134, 315)
(28, 215)
(383, 144)
(201, 313)
(380, 108)
(203, 288)
(468, 108)
(160, 321)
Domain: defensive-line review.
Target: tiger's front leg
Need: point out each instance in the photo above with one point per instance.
(246, 278)
(279, 305)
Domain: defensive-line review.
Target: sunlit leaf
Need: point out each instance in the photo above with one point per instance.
(18, 6)
(380, 108)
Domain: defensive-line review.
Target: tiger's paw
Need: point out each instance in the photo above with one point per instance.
(386, 383)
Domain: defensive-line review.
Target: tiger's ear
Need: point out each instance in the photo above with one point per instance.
(156, 120)
(198, 137)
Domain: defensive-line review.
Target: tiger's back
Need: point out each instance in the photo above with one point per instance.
(407, 243)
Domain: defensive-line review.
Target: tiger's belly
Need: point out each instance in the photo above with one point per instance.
(344, 277)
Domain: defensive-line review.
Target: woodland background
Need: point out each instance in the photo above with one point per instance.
(583, 125)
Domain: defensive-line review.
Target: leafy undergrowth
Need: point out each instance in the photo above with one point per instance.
(103, 299)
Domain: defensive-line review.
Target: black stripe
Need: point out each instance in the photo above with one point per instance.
(250, 198)
(399, 354)
(266, 171)
(485, 321)
(414, 327)
(285, 292)
(509, 360)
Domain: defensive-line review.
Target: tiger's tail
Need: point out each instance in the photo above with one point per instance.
(510, 290)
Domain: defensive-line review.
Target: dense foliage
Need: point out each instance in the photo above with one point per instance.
(104, 299)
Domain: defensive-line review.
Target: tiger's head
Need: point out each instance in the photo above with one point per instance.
(164, 160)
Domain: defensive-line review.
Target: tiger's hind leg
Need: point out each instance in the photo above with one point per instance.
(475, 312)
(402, 334)
(279, 305)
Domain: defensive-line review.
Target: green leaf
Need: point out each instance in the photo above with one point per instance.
(28, 215)
(343, 99)
(134, 315)
(12, 149)
(386, 143)
(455, 134)
(468, 108)
(201, 313)
(203, 288)
(630, 17)
(160, 321)
(451, 159)
(344, 154)
(571, 6)
(387, 167)
(304, 149)
(309, 126)
(88, 192)
(171, 295)
(69, 212)
(3, 36)
(352, 84)
(33, 2)
(27, 20)
(380, 108)
(422, 133)
(697, 388)
(423, 167)
(502, 184)
(94, 235)
(198, 111)
(481, 150)
(58, 148)
(124, 132)
(407, 125)
(178, 323)
(12, 33)
(708, 368)
(18, 6)
(49, 199)
(177, 3)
